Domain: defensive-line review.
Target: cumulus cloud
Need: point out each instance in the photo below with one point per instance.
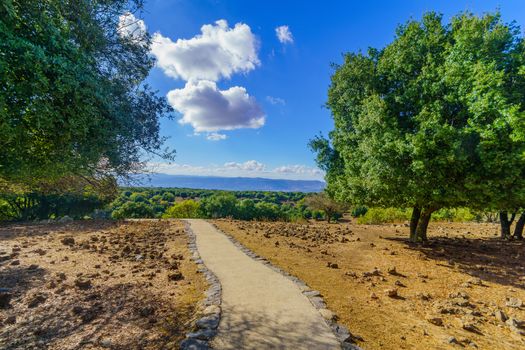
(218, 52)
(208, 109)
(215, 136)
(284, 34)
(250, 165)
(275, 100)
(298, 169)
(250, 168)
(131, 27)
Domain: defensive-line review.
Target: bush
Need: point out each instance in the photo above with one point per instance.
(375, 216)
(455, 214)
(133, 210)
(137, 197)
(186, 209)
(219, 206)
(359, 211)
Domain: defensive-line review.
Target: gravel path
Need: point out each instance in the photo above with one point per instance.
(261, 309)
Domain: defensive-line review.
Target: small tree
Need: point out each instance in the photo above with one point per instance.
(321, 201)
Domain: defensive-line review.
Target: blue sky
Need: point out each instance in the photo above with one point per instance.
(251, 101)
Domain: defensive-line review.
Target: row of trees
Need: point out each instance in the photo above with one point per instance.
(436, 119)
(225, 204)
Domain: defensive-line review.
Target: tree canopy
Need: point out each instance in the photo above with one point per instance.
(434, 119)
(72, 92)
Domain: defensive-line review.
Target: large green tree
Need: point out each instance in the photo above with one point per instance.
(72, 92)
(434, 119)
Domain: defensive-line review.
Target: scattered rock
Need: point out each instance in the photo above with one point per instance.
(500, 316)
(373, 296)
(391, 292)
(451, 340)
(5, 299)
(423, 296)
(374, 272)
(10, 319)
(514, 302)
(332, 265)
(69, 241)
(392, 271)
(83, 283)
(36, 300)
(438, 321)
(175, 276)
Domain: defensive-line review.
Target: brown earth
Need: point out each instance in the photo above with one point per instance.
(452, 292)
(96, 284)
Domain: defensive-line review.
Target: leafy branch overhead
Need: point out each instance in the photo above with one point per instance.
(72, 91)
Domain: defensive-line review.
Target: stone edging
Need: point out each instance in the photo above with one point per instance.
(341, 332)
(211, 310)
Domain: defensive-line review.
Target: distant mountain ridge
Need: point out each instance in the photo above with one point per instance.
(226, 183)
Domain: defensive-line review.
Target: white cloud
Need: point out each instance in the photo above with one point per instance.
(215, 136)
(250, 168)
(218, 52)
(275, 100)
(250, 165)
(284, 34)
(130, 27)
(298, 169)
(208, 109)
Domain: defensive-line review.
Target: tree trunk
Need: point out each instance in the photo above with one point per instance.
(518, 230)
(505, 224)
(421, 230)
(414, 220)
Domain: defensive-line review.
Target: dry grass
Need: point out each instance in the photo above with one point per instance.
(111, 288)
(461, 258)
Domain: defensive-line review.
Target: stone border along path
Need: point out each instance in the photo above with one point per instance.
(211, 313)
(263, 307)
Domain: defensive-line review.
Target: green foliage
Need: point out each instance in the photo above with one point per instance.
(72, 196)
(331, 209)
(243, 205)
(219, 205)
(433, 120)
(185, 209)
(72, 97)
(376, 216)
(359, 211)
(456, 215)
(133, 210)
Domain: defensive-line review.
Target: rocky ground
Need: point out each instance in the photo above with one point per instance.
(96, 284)
(464, 289)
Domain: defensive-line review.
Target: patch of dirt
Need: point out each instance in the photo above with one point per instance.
(465, 288)
(97, 284)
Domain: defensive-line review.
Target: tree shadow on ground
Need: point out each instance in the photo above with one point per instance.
(246, 330)
(124, 316)
(15, 230)
(492, 260)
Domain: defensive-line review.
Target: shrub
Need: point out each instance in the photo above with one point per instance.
(455, 214)
(133, 210)
(359, 211)
(376, 216)
(219, 205)
(185, 209)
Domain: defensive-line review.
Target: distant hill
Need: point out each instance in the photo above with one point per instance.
(227, 183)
